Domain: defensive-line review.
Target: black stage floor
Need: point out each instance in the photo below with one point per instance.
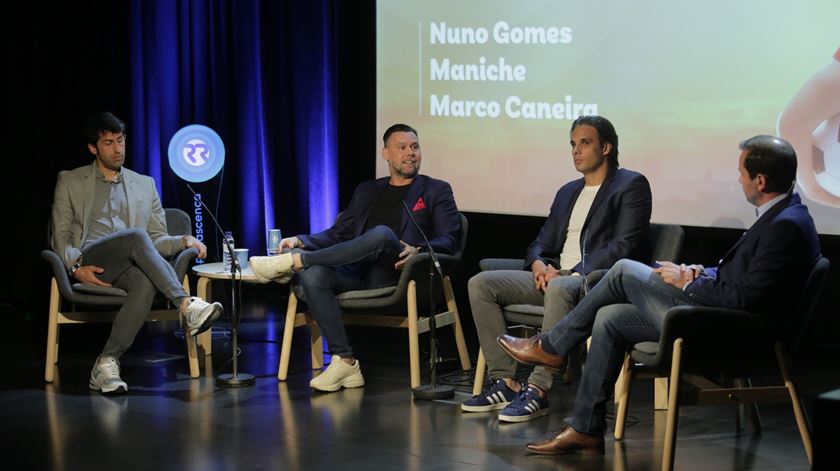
(169, 421)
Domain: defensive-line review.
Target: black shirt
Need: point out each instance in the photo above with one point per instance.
(388, 209)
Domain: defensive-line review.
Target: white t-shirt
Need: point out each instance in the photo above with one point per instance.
(570, 256)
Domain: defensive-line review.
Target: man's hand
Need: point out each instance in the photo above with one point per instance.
(190, 241)
(678, 275)
(407, 252)
(289, 243)
(87, 274)
(543, 274)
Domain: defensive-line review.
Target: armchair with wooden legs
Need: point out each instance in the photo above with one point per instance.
(666, 243)
(395, 306)
(698, 343)
(75, 303)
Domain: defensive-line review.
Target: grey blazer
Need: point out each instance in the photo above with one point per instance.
(73, 204)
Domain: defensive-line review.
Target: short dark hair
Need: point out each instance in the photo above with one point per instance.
(606, 133)
(102, 122)
(772, 157)
(397, 128)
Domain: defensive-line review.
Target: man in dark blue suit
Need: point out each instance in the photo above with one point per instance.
(764, 272)
(366, 247)
(605, 214)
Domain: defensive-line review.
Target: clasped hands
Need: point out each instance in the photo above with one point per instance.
(543, 274)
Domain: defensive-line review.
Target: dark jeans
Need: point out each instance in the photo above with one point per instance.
(132, 263)
(626, 307)
(366, 262)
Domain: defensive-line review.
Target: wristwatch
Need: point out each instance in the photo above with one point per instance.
(75, 267)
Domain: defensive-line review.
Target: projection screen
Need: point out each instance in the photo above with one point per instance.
(493, 86)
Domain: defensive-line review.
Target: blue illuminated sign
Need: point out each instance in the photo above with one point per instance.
(196, 153)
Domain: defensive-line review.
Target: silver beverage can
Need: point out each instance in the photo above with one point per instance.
(273, 241)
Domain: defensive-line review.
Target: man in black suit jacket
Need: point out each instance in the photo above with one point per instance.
(765, 271)
(605, 214)
(366, 247)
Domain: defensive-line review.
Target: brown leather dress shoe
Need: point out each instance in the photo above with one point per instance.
(530, 352)
(567, 440)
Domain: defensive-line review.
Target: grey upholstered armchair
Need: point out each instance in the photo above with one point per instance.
(666, 244)
(393, 306)
(74, 296)
(743, 343)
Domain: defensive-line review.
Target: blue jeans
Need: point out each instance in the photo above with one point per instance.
(366, 262)
(626, 307)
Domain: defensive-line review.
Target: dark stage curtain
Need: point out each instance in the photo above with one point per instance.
(262, 75)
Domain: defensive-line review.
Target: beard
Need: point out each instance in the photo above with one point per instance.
(414, 170)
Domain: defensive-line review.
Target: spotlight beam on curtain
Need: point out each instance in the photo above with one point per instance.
(262, 75)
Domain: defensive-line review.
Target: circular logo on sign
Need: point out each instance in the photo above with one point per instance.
(196, 153)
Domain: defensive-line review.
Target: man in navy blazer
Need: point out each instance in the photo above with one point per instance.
(764, 272)
(366, 247)
(594, 222)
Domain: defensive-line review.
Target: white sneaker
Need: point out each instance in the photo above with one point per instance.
(105, 376)
(279, 268)
(200, 315)
(338, 375)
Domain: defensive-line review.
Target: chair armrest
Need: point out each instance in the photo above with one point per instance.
(489, 264)
(708, 323)
(62, 278)
(181, 263)
(715, 339)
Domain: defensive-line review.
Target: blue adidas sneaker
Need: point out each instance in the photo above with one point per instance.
(494, 397)
(527, 405)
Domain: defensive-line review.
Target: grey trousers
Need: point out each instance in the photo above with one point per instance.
(132, 263)
(490, 291)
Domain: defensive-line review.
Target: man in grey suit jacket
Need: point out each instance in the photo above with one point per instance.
(605, 214)
(110, 229)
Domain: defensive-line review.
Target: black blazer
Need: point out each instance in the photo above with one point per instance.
(430, 200)
(616, 226)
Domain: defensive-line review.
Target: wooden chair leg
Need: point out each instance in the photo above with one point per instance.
(618, 388)
(52, 334)
(625, 379)
(205, 340)
(413, 336)
(192, 353)
(673, 409)
(459, 333)
(480, 366)
(192, 347)
(288, 330)
(660, 393)
(798, 411)
(203, 291)
(316, 345)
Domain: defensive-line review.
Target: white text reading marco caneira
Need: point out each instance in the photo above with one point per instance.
(497, 69)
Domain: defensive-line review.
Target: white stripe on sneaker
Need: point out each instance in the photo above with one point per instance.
(497, 397)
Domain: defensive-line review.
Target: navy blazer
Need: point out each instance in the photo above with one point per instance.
(616, 226)
(767, 268)
(430, 200)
